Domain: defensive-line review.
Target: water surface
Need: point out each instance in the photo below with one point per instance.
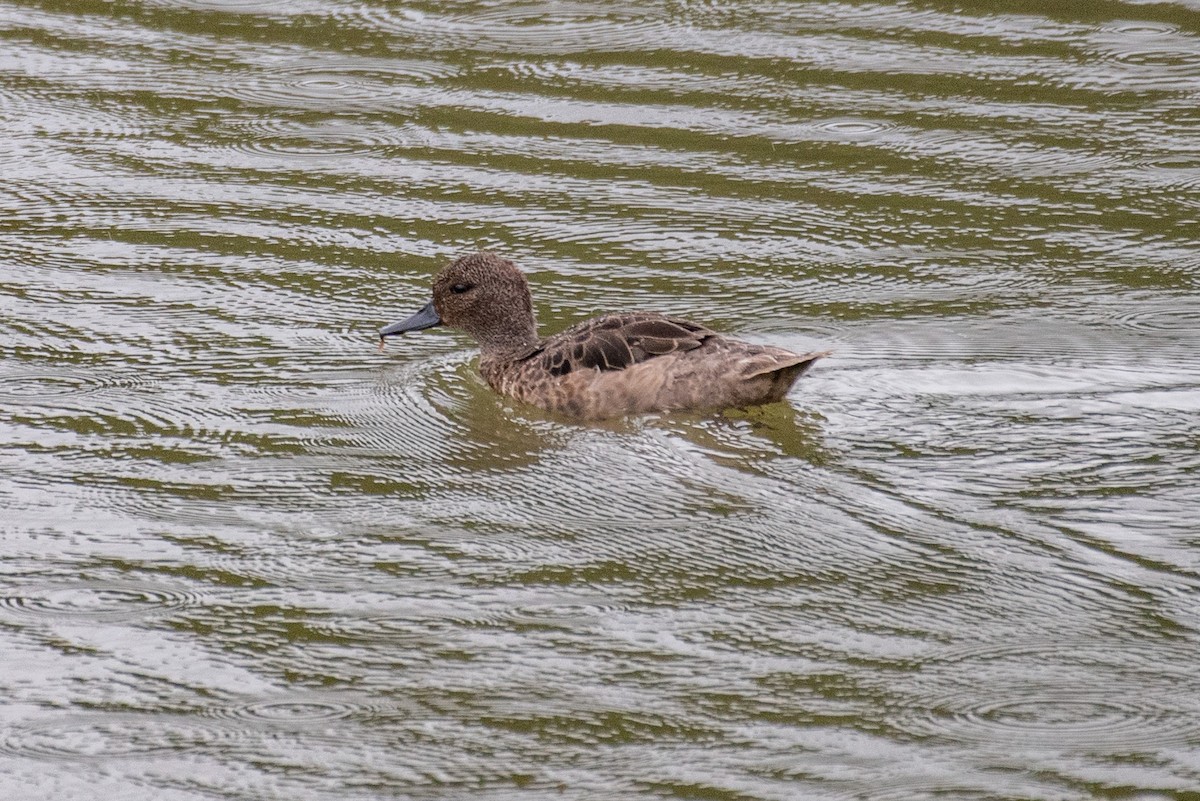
(247, 556)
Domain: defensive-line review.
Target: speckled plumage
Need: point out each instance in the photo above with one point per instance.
(612, 365)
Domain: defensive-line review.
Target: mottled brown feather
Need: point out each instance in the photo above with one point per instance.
(617, 341)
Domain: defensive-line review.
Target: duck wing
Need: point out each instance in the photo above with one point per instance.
(617, 341)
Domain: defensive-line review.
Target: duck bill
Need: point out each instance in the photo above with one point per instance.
(425, 318)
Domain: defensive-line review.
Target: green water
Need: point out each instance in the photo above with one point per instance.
(245, 555)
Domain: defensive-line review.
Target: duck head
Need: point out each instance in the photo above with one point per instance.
(482, 294)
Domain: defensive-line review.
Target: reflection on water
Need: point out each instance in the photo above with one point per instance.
(247, 555)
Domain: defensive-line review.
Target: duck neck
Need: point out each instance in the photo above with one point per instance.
(504, 339)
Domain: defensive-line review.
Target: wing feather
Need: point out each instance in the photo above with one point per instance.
(617, 341)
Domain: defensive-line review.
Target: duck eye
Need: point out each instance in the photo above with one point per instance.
(458, 289)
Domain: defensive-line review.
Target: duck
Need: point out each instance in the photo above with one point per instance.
(619, 364)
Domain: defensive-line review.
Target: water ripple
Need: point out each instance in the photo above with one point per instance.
(1147, 44)
(1160, 316)
(323, 85)
(534, 28)
(107, 736)
(854, 129)
(1127, 698)
(319, 138)
(304, 710)
(51, 387)
(1062, 718)
(95, 601)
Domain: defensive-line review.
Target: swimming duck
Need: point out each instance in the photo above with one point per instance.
(616, 364)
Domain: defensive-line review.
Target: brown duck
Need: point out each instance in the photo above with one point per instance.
(612, 365)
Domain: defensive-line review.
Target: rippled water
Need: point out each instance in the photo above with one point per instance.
(247, 556)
